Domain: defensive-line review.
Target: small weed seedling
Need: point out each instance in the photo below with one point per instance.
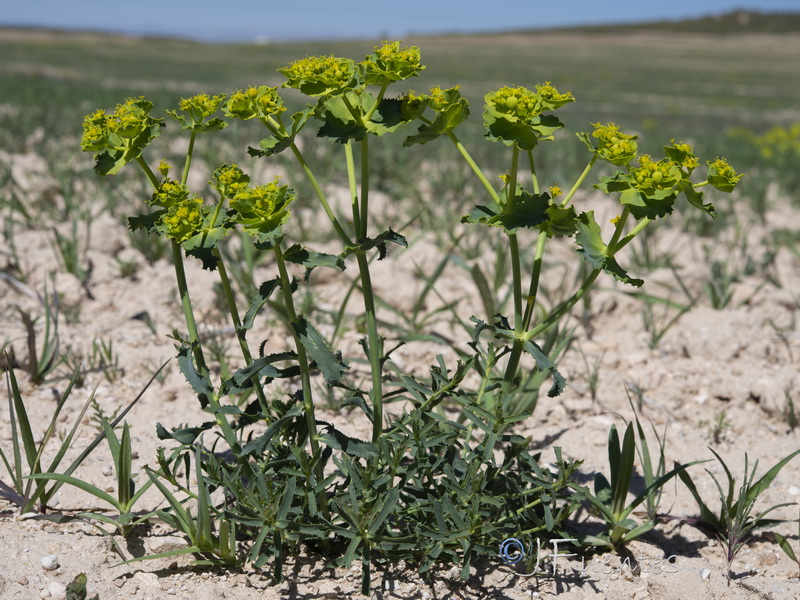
(610, 497)
(127, 495)
(28, 489)
(735, 520)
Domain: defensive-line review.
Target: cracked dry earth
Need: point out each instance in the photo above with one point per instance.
(742, 360)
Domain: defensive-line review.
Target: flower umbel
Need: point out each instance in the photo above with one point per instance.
(120, 136)
(683, 154)
(263, 208)
(320, 75)
(614, 146)
(104, 131)
(651, 176)
(185, 218)
(723, 176)
(262, 101)
(390, 63)
(229, 180)
(169, 193)
(201, 106)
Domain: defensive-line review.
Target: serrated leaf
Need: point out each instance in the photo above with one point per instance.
(595, 251)
(310, 259)
(528, 211)
(261, 367)
(526, 135)
(445, 121)
(695, 198)
(651, 206)
(379, 242)
(257, 446)
(560, 222)
(276, 144)
(264, 292)
(200, 383)
(185, 435)
(349, 445)
(331, 365)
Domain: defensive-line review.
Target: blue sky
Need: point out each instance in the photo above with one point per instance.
(307, 19)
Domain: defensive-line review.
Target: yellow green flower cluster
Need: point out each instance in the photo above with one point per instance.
(201, 106)
(441, 100)
(683, 154)
(184, 218)
(169, 193)
(651, 175)
(261, 101)
(614, 146)
(230, 180)
(723, 176)
(519, 103)
(320, 75)
(390, 63)
(551, 98)
(106, 131)
(261, 202)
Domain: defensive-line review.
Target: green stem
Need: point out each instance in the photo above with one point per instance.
(374, 342)
(619, 227)
(321, 196)
(516, 276)
(151, 177)
(474, 166)
(237, 325)
(362, 234)
(374, 107)
(617, 246)
(188, 163)
(186, 304)
(534, 178)
(614, 246)
(183, 287)
(579, 182)
(302, 357)
(351, 178)
(564, 308)
(533, 290)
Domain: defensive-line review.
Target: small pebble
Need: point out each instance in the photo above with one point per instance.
(705, 574)
(107, 470)
(50, 562)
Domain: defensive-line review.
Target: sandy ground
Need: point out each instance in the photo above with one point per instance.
(742, 360)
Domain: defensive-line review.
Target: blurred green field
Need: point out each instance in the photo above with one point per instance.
(685, 81)
(715, 90)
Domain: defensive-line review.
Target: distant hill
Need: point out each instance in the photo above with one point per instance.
(737, 21)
